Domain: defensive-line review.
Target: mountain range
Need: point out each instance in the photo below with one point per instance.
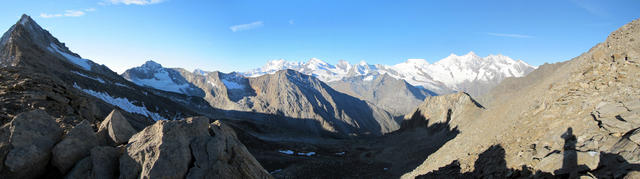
(469, 73)
(63, 116)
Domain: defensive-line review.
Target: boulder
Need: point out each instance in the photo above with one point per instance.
(162, 149)
(223, 156)
(82, 170)
(104, 161)
(74, 146)
(28, 147)
(190, 148)
(115, 128)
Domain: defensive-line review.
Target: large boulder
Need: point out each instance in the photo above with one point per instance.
(104, 160)
(223, 156)
(168, 149)
(26, 151)
(102, 163)
(81, 170)
(74, 146)
(116, 129)
(162, 149)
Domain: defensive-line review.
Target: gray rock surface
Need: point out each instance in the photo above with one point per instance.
(115, 128)
(167, 149)
(104, 162)
(27, 150)
(223, 156)
(82, 169)
(74, 146)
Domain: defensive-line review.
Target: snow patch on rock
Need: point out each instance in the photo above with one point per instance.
(123, 103)
(84, 63)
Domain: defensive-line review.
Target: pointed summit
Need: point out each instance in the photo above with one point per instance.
(150, 64)
(27, 36)
(25, 19)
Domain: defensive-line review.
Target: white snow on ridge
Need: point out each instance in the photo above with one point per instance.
(445, 74)
(232, 84)
(288, 152)
(87, 76)
(308, 154)
(161, 81)
(123, 103)
(84, 63)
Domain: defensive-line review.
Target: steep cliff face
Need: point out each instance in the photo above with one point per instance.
(574, 118)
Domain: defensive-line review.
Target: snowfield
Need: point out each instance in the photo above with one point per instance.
(445, 74)
(123, 103)
(84, 63)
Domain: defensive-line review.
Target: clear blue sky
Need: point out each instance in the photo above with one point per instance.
(209, 34)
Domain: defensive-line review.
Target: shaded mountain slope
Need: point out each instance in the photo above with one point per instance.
(394, 95)
(291, 100)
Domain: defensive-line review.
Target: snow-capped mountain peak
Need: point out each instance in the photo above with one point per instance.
(151, 65)
(453, 73)
(152, 74)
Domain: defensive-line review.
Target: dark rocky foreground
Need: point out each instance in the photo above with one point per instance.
(33, 145)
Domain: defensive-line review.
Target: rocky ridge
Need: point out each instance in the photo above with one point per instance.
(468, 73)
(293, 101)
(570, 119)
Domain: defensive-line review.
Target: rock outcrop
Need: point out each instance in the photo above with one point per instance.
(190, 147)
(26, 143)
(74, 146)
(453, 109)
(115, 128)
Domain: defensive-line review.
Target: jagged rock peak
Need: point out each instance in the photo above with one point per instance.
(150, 64)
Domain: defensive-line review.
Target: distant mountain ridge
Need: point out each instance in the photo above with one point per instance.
(152, 74)
(470, 72)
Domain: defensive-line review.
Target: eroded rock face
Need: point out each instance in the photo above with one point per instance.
(223, 156)
(167, 149)
(104, 162)
(26, 150)
(74, 146)
(115, 128)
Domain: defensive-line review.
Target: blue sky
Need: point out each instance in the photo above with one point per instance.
(240, 35)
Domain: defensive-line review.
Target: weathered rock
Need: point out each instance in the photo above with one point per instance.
(162, 149)
(104, 160)
(81, 170)
(74, 146)
(101, 164)
(32, 135)
(632, 174)
(115, 128)
(223, 156)
(635, 136)
(168, 149)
